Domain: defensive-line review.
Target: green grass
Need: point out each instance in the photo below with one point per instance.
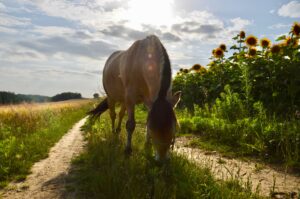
(27, 134)
(103, 171)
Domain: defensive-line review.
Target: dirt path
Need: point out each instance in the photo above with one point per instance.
(224, 168)
(48, 176)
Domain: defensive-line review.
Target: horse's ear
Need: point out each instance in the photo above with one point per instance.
(176, 98)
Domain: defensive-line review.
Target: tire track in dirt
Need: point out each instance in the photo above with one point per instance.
(225, 168)
(48, 176)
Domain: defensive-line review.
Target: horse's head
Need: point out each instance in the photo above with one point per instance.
(161, 125)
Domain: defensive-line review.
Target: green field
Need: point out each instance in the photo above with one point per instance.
(27, 132)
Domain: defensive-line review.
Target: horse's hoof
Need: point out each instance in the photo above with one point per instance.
(128, 151)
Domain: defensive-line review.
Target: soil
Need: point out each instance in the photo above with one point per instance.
(260, 176)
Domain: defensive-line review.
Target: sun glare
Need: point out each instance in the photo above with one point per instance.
(150, 12)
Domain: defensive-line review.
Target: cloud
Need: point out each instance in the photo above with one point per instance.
(239, 23)
(56, 72)
(125, 32)
(292, 9)
(94, 14)
(170, 37)
(2, 7)
(279, 26)
(10, 21)
(207, 28)
(52, 45)
(194, 27)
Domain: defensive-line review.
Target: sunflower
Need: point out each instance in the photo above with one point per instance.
(296, 29)
(181, 70)
(223, 47)
(203, 70)
(185, 70)
(242, 34)
(265, 43)
(252, 51)
(251, 41)
(218, 53)
(275, 49)
(289, 41)
(196, 67)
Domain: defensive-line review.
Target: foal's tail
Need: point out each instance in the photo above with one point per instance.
(101, 108)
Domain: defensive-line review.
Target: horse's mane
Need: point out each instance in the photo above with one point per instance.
(161, 115)
(166, 74)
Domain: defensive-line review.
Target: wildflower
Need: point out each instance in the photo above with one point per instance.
(196, 67)
(242, 34)
(218, 53)
(275, 49)
(296, 29)
(181, 70)
(185, 70)
(265, 43)
(251, 40)
(223, 47)
(252, 51)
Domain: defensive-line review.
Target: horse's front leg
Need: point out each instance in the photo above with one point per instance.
(130, 126)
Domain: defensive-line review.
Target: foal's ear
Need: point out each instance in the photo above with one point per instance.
(176, 98)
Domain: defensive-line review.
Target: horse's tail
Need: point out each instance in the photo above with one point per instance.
(101, 108)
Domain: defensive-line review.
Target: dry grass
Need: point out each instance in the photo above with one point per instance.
(27, 131)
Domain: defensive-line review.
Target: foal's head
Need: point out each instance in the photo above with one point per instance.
(161, 125)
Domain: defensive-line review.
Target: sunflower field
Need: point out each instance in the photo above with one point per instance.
(249, 99)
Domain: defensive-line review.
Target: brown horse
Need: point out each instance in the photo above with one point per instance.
(141, 74)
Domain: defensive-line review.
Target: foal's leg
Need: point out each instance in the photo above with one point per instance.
(121, 115)
(130, 126)
(112, 113)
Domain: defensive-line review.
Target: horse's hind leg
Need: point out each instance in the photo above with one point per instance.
(112, 113)
(130, 126)
(121, 115)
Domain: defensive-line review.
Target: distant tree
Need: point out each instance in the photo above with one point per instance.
(12, 98)
(96, 95)
(65, 96)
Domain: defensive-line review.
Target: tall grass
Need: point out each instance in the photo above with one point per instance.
(228, 122)
(28, 131)
(105, 172)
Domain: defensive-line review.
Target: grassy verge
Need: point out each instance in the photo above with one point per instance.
(256, 134)
(105, 172)
(27, 132)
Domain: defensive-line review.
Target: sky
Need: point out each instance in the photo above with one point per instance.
(53, 46)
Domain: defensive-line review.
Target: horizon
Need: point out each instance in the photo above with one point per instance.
(49, 47)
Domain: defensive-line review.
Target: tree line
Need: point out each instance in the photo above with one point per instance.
(12, 98)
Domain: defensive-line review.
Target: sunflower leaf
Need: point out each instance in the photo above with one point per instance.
(282, 37)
